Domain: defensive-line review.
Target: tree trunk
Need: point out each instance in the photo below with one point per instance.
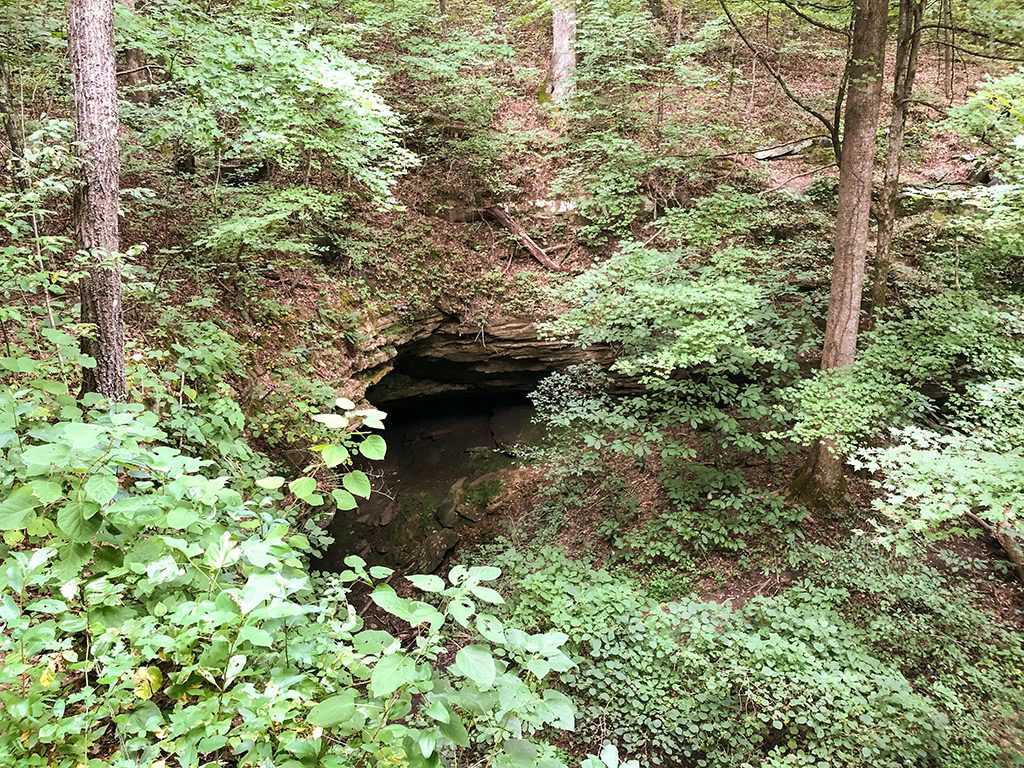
(822, 476)
(907, 45)
(563, 50)
(11, 129)
(136, 74)
(91, 48)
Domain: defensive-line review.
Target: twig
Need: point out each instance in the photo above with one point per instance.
(811, 172)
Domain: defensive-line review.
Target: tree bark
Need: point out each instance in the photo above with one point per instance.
(11, 129)
(822, 477)
(136, 73)
(563, 50)
(907, 46)
(91, 48)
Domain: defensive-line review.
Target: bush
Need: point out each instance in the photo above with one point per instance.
(852, 666)
(152, 612)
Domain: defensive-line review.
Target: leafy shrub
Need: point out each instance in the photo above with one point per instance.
(151, 611)
(257, 83)
(807, 677)
(907, 364)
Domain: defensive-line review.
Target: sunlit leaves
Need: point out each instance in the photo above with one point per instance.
(373, 447)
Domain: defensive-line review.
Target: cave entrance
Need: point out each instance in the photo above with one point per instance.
(448, 462)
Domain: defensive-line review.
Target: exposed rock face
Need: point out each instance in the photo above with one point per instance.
(406, 362)
(439, 355)
(419, 540)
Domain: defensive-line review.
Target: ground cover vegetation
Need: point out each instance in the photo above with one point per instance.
(776, 519)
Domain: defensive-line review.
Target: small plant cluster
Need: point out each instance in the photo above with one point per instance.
(854, 665)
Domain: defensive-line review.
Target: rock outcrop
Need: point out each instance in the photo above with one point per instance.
(437, 354)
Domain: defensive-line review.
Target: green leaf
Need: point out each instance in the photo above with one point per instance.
(331, 420)
(271, 483)
(427, 583)
(333, 711)
(386, 597)
(182, 517)
(476, 663)
(490, 628)
(147, 682)
(373, 447)
(484, 573)
(521, 753)
(436, 710)
(78, 520)
(302, 487)
(333, 455)
(101, 488)
(16, 510)
(344, 499)
(357, 483)
(256, 636)
(46, 491)
(487, 594)
(391, 673)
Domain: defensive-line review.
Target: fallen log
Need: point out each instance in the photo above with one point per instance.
(503, 218)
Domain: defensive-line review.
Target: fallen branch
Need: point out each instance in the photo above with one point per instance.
(1006, 540)
(503, 218)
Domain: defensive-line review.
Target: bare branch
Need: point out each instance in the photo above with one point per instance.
(829, 125)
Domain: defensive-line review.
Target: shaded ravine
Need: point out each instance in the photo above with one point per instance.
(446, 461)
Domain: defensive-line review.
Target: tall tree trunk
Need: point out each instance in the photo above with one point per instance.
(907, 45)
(91, 47)
(946, 44)
(563, 50)
(822, 477)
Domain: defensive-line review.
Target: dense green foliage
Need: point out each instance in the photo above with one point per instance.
(859, 663)
(307, 186)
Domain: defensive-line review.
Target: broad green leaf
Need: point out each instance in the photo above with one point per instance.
(357, 483)
(476, 663)
(333, 711)
(427, 583)
(46, 491)
(101, 488)
(521, 753)
(256, 636)
(302, 486)
(490, 628)
(78, 520)
(391, 673)
(147, 682)
(373, 447)
(271, 483)
(333, 455)
(487, 594)
(331, 420)
(16, 509)
(182, 517)
(344, 499)
(484, 573)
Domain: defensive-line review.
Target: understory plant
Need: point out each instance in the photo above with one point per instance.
(855, 664)
(153, 610)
